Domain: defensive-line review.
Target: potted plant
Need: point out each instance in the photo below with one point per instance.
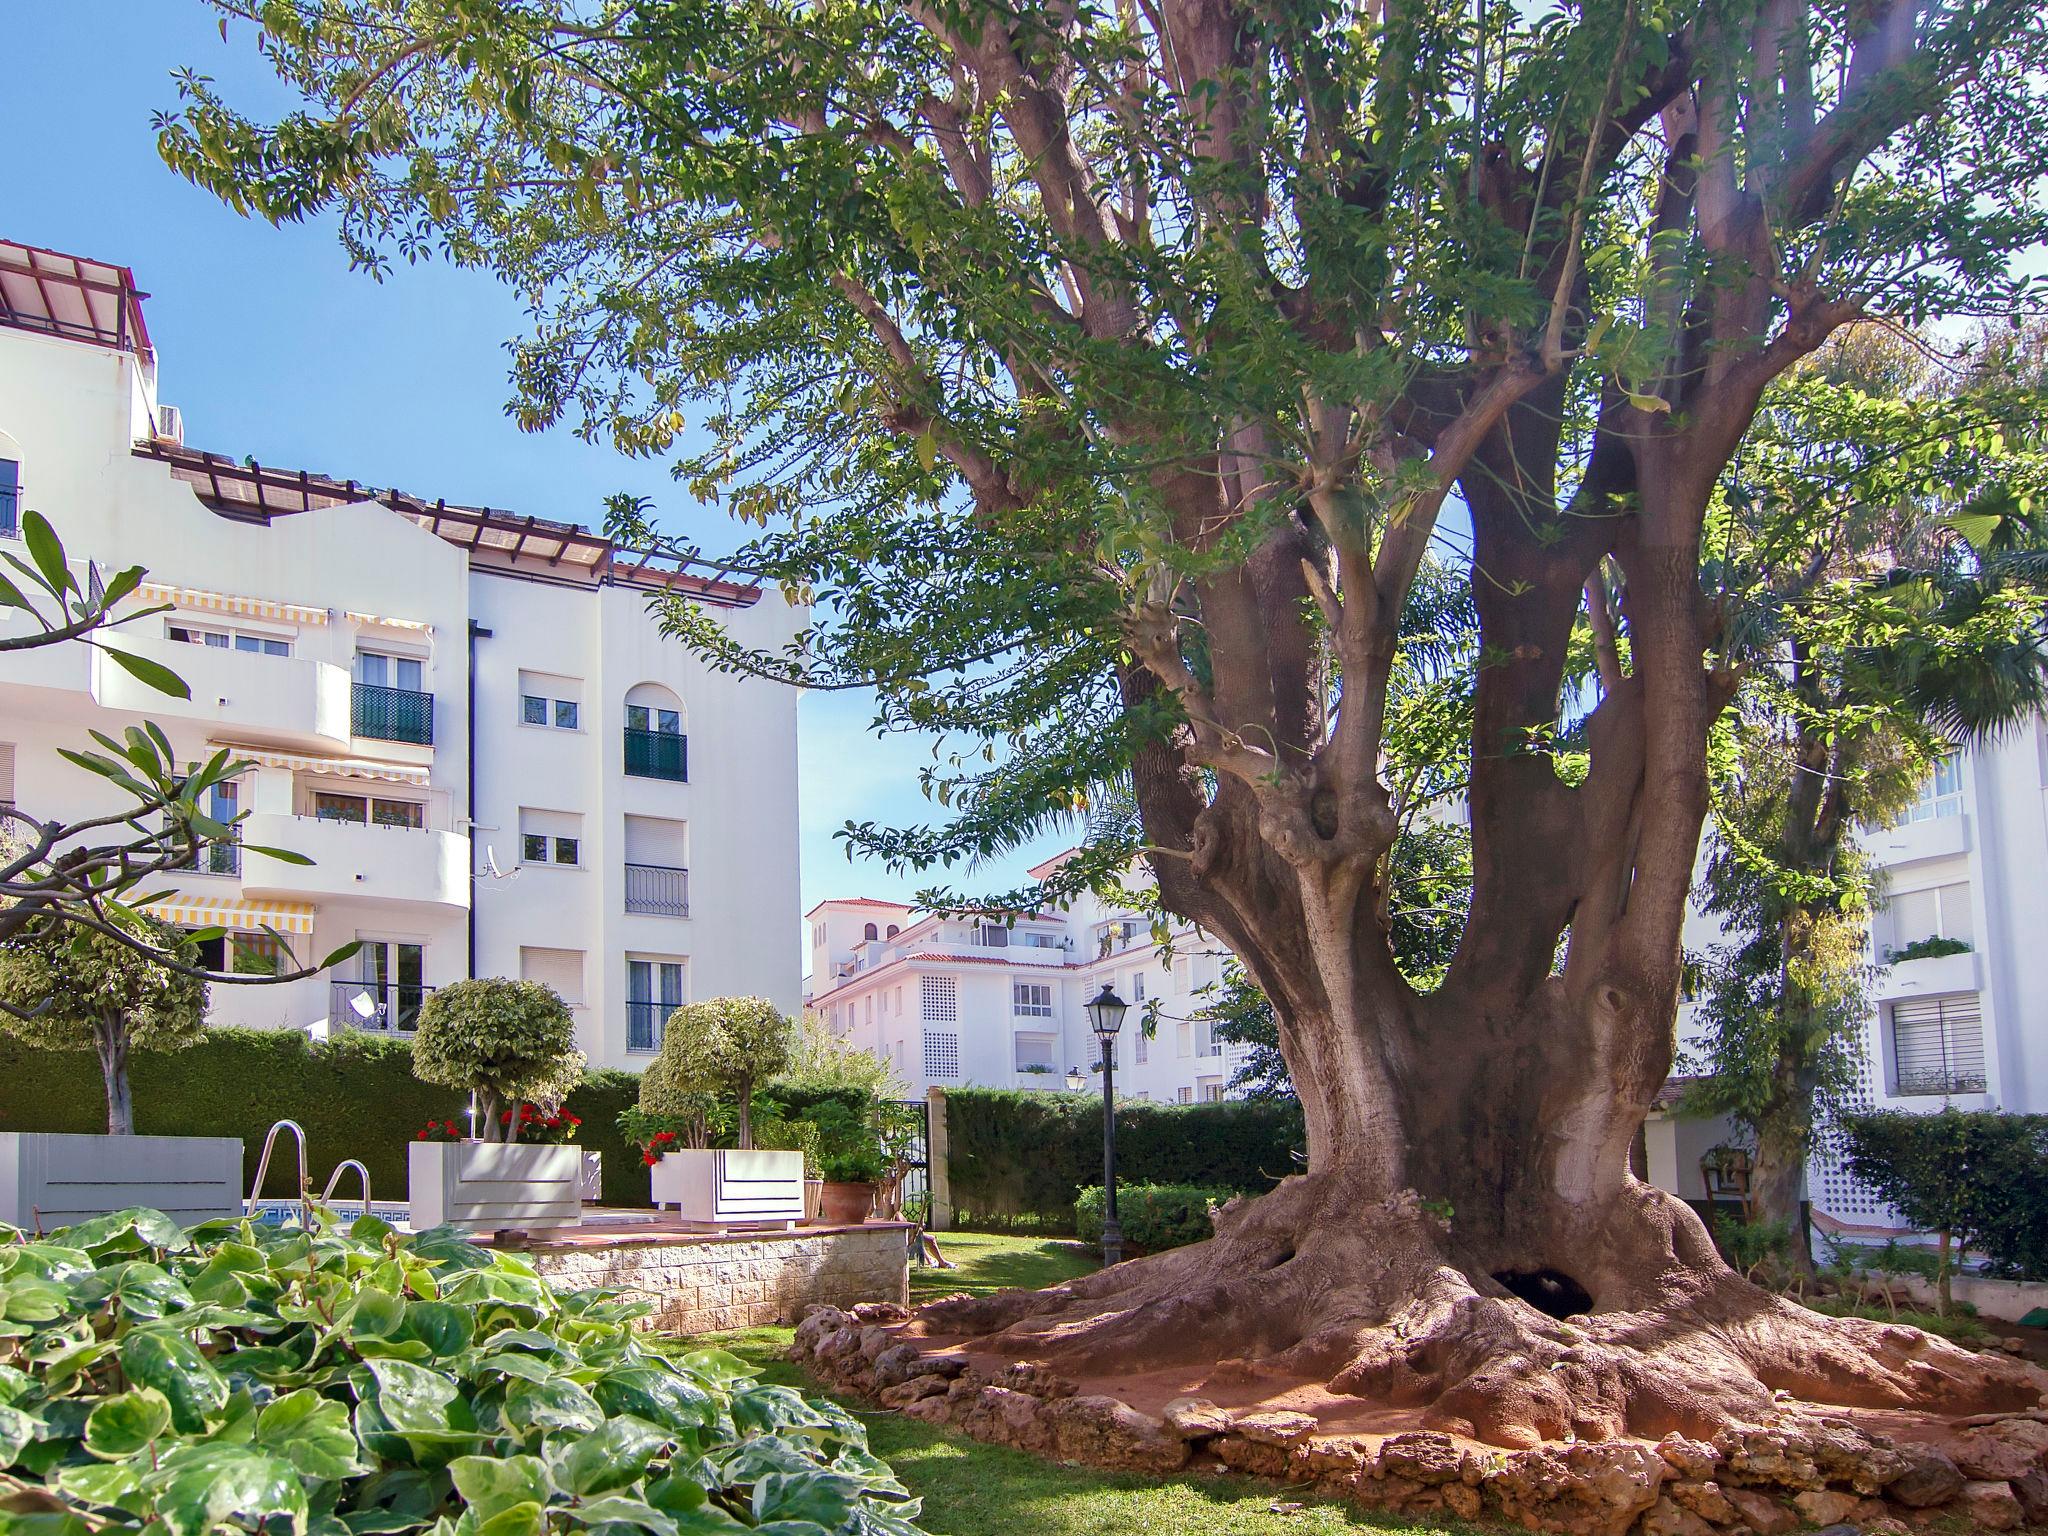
(774, 1131)
(511, 1044)
(851, 1161)
(555, 1126)
(713, 1055)
(67, 988)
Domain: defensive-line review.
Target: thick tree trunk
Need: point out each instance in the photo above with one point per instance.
(111, 1045)
(1784, 1142)
(1510, 1276)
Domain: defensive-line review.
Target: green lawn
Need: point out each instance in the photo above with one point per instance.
(971, 1489)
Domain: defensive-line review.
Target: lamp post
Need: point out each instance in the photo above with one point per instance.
(1076, 1079)
(1106, 1016)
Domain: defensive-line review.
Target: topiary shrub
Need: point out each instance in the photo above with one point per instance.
(505, 1041)
(86, 991)
(726, 1047)
(245, 1379)
(1153, 1216)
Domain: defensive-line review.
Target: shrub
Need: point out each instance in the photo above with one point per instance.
(1017, 1156)
(243, 1378)
(849, 1145)
(822, 1063)
(1153, 1216)
(505, 1041)
(90, 992)
(1978, 1179)
(729, 1046)
(1928, 949)
(1759, 1250)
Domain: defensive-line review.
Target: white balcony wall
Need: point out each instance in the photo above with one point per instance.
(357, 860)
(286, 701)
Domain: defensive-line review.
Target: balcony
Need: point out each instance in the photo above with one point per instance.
(657, 755)
(356, 859)
(220, 858)
(645, 1023)
(660, 890)
(391, 714)
(375, 1007)
(1934, 976)
(287, 701)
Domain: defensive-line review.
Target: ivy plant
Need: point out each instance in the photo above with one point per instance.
(361, 1382)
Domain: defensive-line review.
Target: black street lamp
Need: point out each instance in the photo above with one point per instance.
(1106, 1016)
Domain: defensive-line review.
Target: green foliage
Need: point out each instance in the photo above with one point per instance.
(1757, 1249)
(1153, 1217)
(508, 1042)
(849, 1146)
(355, 1094)
(1021, 1156)
(728, 1047)
(77, 989)
(1979, 1177)
(1928, 948)
(1958, 1327)
(248, 1379)
(821, 1062)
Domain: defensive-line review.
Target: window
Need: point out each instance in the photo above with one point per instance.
(1935, 912)
(6, 773)
(10, 498)
(939, 997)
(1180, 974)
(1035, 1052)
(1211, 1090)
(256, 954)
(1941, 795)
(1031, 999)
(1185, 1096)
(941, 1055)
(642, 717)
(224, 855)
(387, 702)
(654, 990)
(208, 954)
(655, 745)
(1141, 1046)
(1183, 1040)
(871, 932)
(1137, 986)
(329, 805)
(381, 670)
(225, 639)
(893, 930)
(548, 700)
(389, 987)
(549, 837)
(992, 936)
(817, 935)
(1937, 1046)
(561, 969)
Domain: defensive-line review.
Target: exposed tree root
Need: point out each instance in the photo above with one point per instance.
(1386, 1304)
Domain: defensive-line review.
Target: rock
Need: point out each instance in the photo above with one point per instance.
(1260, 1458)
(1104, 1432)
(817, 1322)
(1930, 1478)
(1691, 1459)
(2032, 1492)
(1990, 1457)
(1002, 1416)
(1885, 1525)
(936, 1409)
(1033, 1380)
(1989, 1503)
(879, 1312)
(1333, 1459)
(1462, 1501)
(1704, 1499)
(1666, 1517)
(2032, 1433)
(1771, 1456)
(898, 1363)
(1423, 1455)
(1843, 1453)
(1377, 1492)
(904, 1393)
(1279, 1427)
(1195, 1418)
(1823, 1506)
(1760, 1512)
(1582, 1490)
(835, 1345)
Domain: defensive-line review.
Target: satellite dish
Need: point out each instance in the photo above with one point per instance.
(361, 1006)
(491, 865)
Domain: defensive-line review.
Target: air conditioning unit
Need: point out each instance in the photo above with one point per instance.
(170, 424)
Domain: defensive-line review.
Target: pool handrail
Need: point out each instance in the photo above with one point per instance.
(263, 1168)
(334, 1178)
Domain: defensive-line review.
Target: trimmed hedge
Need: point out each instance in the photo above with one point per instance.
(1153, 1216)
(355, 1095)
(1015, 1157)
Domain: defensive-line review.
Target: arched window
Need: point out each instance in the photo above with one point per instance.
(871, 932)
(656, 747)
(894, 930)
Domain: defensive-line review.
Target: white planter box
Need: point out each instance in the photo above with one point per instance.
(593, 1178)
(49, 1179)
(484, 1186)
(725, 1187)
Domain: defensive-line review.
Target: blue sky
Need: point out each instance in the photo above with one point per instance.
(272, 347)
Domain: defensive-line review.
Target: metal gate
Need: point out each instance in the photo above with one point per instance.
(915, 1191)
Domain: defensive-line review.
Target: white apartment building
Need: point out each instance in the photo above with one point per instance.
(960, 1002)
(1966, 867)
(464, 716)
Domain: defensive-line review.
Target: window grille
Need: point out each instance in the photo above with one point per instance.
(940, 996)
(1937, 1046)
(941, 1055)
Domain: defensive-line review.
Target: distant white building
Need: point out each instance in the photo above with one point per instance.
(464, 716)
(958, 1002)
(1965, 868)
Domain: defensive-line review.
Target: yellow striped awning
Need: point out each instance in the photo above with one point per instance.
(340, 767)
(421, 625)
(232, 912)
(228, 602)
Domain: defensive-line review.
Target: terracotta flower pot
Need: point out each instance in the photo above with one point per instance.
(814, 1191)
(845, 1205)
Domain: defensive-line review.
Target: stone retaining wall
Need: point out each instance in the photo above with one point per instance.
(1805, 1469)
(714, 1282)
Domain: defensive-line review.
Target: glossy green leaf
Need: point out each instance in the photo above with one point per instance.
(174, 1366)
(312, 1433)
(123, 1425)
(152, 673)
(491, 1485)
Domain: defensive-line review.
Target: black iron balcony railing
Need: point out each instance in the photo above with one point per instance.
(382, 1007)
(221, 858)
(392, 714)
(645, 1023)
(659, 889)
(657, 755)
(1929, 1081)
(10, 513)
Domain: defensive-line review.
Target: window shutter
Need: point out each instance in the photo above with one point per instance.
(6, 773)
(561, 969)
(1938, 1045)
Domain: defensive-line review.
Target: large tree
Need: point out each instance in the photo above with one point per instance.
(1104, 374)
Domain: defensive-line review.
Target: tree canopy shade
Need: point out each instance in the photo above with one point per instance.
(1103, 373)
